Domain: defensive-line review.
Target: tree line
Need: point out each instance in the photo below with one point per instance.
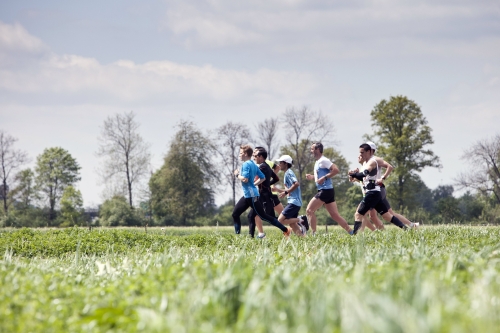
(199, 165)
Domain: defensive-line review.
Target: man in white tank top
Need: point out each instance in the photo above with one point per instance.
(373, 198)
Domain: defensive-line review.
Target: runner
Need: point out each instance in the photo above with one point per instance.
(278, 206)
(383, 191)
(373, 214)
(373, 198)
(259, 157)
(291, 190)
(324, 170)
(250, 197)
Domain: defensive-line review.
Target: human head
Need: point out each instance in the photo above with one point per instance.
(365, 151)
(285, 162)
(318, 146)
(372, 146)
(260, 154)
(245, 152)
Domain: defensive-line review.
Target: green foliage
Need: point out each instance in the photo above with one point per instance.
(71, 207)
(402, 134)
(181, 188)
(117, 212)
(55, 170)
(439, 279)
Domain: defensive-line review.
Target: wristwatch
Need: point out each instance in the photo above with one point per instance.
(286, 192)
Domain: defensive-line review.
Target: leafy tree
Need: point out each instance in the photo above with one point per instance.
(229, 138)
(117, 212)
(10, 161)
(126, 155)
(470, 206)
(448, 208)
(484, 174)
(25, 193)
(403, 138)
(71, 207)
(181, 189)
(56, 169)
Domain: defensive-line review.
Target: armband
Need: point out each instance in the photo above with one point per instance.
(359, 175)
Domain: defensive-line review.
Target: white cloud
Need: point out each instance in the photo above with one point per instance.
(13, 37)
(128, 81)
(340, 29)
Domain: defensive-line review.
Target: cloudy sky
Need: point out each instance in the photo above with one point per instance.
(65, 66)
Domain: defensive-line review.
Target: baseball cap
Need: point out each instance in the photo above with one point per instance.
(372, 145)
(285, 158)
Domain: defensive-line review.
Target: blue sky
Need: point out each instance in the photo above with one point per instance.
(66, 66)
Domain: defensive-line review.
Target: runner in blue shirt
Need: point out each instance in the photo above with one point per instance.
(289, 215)
(251, 194)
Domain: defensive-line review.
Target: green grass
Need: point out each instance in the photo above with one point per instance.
(439, 279)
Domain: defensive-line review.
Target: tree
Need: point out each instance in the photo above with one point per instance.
(303, 127)
(229, 138)
(117, 212)
(267, 134)
(10, 161)
(56, 169)
(24, 194)
(403, 135)
(126, 155)
(71, 206)
(484, 174)
(181, 189)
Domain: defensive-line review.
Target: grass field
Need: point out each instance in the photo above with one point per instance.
(437, 279)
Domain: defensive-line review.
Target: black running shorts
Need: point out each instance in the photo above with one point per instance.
(372, 199)
(327, 195)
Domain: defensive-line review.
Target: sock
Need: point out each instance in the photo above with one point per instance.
(357, 225)
(397, 222)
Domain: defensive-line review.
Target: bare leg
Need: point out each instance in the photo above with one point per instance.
(292, 223)
(312, 207)
(376, 220)
(258, 223)
(334, 213)
(278, 208)
(366, 223)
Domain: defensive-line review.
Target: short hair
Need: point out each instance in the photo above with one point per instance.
(319, 146)
(261, 152)
(247, 149)
(366, 147)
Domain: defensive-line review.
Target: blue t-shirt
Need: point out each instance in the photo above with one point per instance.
(321, 168)
(294, 197)
(249, 170)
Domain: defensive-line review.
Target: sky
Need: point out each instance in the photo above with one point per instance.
(66, 66)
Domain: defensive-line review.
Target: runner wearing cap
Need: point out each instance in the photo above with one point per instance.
(383, 191)
(250, 198)
(324, 170)
(290, 215)
(373, 198)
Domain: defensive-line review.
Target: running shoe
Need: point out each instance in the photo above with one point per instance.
(287, 233)
(261, 236)
(302, 229)
(304, 222)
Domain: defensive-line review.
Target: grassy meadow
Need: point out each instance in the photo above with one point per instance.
(436, 279)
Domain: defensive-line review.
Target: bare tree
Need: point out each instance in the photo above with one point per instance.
(125, 152)
(303, 127)
(267, 134)
(484, 175)
(229, 138)
(10, 160)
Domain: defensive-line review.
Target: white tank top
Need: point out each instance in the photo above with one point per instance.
(372, 177)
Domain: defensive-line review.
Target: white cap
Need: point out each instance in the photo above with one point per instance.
(372, 145)
(285, 158)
